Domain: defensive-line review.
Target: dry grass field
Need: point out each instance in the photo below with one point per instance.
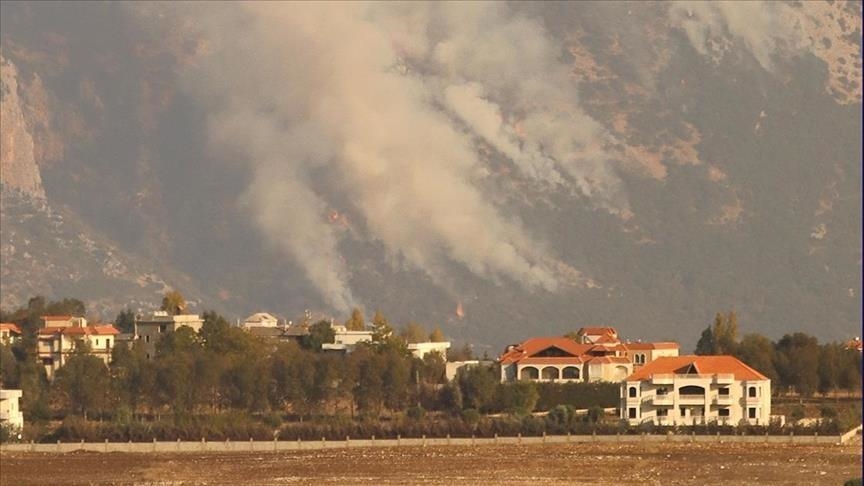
(660, 463)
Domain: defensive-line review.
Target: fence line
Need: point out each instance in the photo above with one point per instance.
(297, 445)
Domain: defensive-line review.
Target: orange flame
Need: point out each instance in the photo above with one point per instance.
(460, 312)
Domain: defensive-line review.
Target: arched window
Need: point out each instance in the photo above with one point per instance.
(632, 391)
(570, 373)
(550, 373)
(751, 392)
(529, 373)
(691, 390)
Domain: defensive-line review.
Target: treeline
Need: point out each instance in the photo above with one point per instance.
(224, 371)
(794, 363)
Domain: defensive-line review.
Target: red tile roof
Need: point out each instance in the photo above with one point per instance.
(533, 346)
(706, 365)
(551, 361)
(87, 330)
(11, 327)
(649, 346)
(609, 359)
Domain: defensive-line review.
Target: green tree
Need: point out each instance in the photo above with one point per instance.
(478, 385)
(518, 398)
(8, 367)
(830, 367)
(798, 362)
(173, 303)
(319, 333)
(83, 383)
(356, 322)
(705, 346)
(757, 351)
(125, 321)
(67, 306)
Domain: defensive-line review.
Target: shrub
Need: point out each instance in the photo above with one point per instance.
(416, 413)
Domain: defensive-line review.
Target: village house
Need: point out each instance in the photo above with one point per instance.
(9, 333)
(420, 350)
(596, 354)
(148, 331)
(10, 409)
(261, 319)
(62, 335)
(688, 390)
(344, 340)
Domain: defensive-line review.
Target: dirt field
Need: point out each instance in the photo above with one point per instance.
(671, 463)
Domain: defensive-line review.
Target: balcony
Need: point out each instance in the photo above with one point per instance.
(691, 399)
(724, 378)
(724, 400)
(662, 400)
(663, 379)
(752, 400)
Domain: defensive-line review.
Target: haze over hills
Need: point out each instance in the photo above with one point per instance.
(545, 166)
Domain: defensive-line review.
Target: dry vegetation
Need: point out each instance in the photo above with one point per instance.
(671, 463)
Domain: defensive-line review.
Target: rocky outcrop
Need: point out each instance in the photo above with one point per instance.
(18, 169)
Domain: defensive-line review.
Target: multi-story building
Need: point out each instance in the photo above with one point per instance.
(149, 330)
(63, 335)
(9, 333)
(595, 354)
(420, 350)
(10, 409)
(687, 390)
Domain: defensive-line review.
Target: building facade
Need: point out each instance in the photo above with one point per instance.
(9, 333)
(10, 409)
(594, 354)
(148, 331)
(261, 319)
(689, 390)
(63, 335)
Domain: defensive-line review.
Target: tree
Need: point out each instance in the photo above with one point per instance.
(705, 345)
(173, 303)
(356, 322)
(8, 367)
(478, 385)
(830, 367)
(125, 321)
(798, 362)
(83, 383)
(67, 306)
(436, 336)
(319, 333)
(413, 333)
(517, 398)
(757, 351)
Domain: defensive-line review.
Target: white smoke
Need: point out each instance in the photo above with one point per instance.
(390, 101)
(762, 28)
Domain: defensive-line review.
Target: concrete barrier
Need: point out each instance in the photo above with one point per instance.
(297, 445)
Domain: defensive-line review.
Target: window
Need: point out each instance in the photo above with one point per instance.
(163, 327)
(147, 338)
(632, 413)
(723, 392)
(751, 413)
(723, 412)
(683, 411)
(662, 412)
(632, 391)
(97, 343)
(691, 390)
(751, 392)
(661, 392)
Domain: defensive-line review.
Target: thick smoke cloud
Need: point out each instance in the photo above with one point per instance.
(392, 102)
(398, 108)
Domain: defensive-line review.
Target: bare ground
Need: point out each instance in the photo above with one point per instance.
(660, 463)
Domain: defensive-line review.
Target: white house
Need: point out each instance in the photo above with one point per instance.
(150, 330)
(419, 350)
(344, 340)
(261, 319)
(687, 390)
(10, 409)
